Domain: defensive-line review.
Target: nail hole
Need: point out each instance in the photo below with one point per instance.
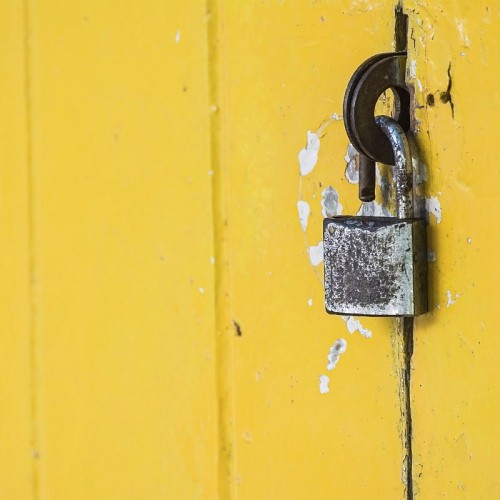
(430, 100)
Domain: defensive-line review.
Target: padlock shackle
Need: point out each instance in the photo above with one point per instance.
(403, 172)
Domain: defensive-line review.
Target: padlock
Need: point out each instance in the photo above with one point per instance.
(377, 266)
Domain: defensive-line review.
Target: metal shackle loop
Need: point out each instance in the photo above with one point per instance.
(403, 172)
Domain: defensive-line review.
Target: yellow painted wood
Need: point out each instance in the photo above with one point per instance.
(162, 326)
(124, 297)
(282, 68)
(456, 394)
(16, 477)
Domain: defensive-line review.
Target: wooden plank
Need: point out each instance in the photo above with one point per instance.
(454, 382)
(282, 71)
(123, 246)
(16, 431)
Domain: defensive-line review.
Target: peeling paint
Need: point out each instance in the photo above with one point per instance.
(316, 254)
(308, 157)
(330, 204)
(338, 348)
(304, 211)
(433, 206)
(324, 382)
(354, 325)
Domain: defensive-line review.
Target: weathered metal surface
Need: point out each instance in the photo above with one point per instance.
(375, 266)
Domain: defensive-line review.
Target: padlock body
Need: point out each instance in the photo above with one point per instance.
(375, 266)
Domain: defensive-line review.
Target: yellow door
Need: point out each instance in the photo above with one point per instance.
(164, 171)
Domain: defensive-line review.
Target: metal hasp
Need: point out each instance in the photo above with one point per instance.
(367, 84)
(377, 266)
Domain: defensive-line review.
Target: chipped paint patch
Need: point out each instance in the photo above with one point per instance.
(431, 256)
(354, 325)
(449, 299)
(324, 382)
(316, 254)
(420, 170)
(373, 209)
(433, 206)
(308, 157)
(336, 350)
(330, 205)
(413, 69)
(304, 211)
(352, 166)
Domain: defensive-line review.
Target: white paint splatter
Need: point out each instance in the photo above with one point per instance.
(449, 300)
(324, 381)
(413, 69)
(469, 241)
(304, 211)
(212, 260)
(309, 302)
(330, 205)
(178, 37)
(432, 206)
(353, 325)
(202, 290)
(337, 117)
(316, 254)
(419, 85)
(336, 350)
(431, 256)
(308, 157)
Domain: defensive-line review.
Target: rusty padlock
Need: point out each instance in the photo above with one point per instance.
(377, 266)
